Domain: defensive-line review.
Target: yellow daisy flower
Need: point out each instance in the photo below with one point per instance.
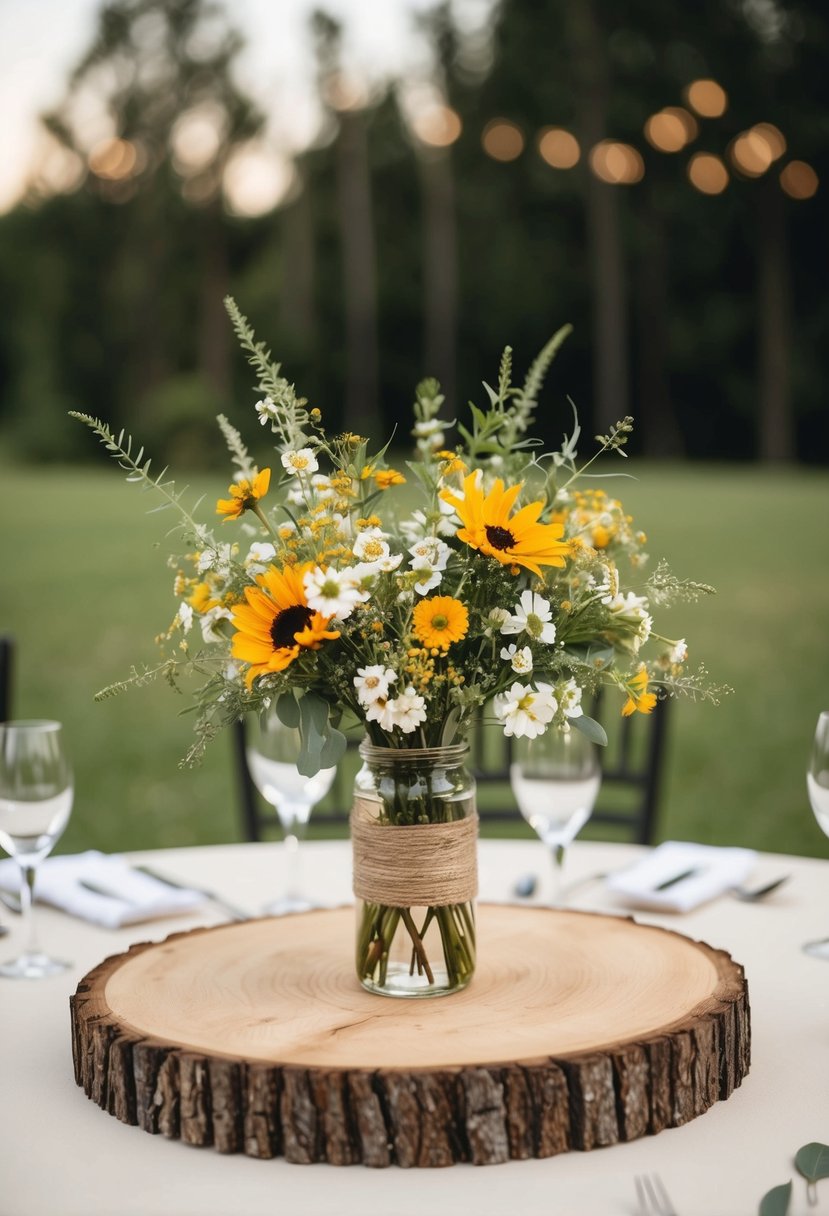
(513, 540)
(244, 496)
(202, 599)
(639, 699)
(439, 621)
(388, 477)
(276, 623)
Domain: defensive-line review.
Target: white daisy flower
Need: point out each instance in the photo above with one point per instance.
(301, 461)
(431, 551)
(495, 619)
(428, 579)
(408, 710)
(569, 698)
(209, 622)
(372, 683)
(371, 546)
(322, 486)
(526, 712)
(217, 558)
(678, 652)
(428, 428)
(332, 592)
(267, 411)
(533, 616)
(521, 661)
(381, 712)
(260, 555)
(631, 611)
(185, 617)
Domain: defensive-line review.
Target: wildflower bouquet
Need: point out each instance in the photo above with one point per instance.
(500, 581)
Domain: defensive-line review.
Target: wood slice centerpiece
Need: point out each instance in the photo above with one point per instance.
(579, 1030)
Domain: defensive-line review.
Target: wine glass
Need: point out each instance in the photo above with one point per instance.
(35, 800)
(555, 779)
(817, 782)
(272, 752)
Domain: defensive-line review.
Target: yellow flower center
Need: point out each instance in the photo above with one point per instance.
(373, 550)
(299, 462)
(535, 625)
(372, 682)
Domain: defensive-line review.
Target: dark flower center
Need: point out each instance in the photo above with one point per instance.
(500, 538)
(288, 622)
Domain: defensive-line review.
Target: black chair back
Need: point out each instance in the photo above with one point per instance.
(6, 678)
(631, 778)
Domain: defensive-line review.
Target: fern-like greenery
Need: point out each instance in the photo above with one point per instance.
(138, 470)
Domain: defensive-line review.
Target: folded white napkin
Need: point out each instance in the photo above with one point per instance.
(131, 897)
(713, 872)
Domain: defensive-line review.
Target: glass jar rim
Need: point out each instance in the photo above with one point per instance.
(451, 753)
(31, 724)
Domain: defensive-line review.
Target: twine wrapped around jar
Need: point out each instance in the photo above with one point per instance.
(422, 865)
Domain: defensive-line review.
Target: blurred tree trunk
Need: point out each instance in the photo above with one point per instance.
(610, 320)
(776, 438)
(654, 408)
(296, 288)
(214, 351)
(359, 271)
(440, 267)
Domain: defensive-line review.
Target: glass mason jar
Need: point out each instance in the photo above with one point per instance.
(414, 838)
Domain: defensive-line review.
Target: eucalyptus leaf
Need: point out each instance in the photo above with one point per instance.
(776, 1201)
(287, 710)
(812, 1161)
(316, 709)
(594, 730)
(311, 735)
(450, 726)
(596, 655)
(333, 748)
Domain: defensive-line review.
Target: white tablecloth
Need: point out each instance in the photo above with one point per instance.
(60, 1155)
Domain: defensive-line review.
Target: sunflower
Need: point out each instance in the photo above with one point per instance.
(513, 540)
(439, 621)
(245, 494)
(638, 696)
(276, 623)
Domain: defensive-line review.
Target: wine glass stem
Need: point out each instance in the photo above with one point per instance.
(27, 899)
(293, 863)
(558, 873)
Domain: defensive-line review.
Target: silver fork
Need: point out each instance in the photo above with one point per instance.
(653, 1198)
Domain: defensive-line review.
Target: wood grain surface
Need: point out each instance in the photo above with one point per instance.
(578, 1030)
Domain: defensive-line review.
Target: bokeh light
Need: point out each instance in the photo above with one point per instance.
(502, 140)
(772, 136)
(707, 98)
(256, 180)
(671, 129)
(751, 153)
(196, 138)
(799, 180)
(616, 163)
(707, 173)
(559, 148)
(113, 159)
(439, 126)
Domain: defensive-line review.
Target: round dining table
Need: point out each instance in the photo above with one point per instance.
(61, 1155)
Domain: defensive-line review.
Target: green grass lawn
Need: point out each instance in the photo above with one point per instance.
(85, 588)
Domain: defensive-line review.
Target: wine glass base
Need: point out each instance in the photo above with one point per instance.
(33, 966)
(818, 949)
(287, 905)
